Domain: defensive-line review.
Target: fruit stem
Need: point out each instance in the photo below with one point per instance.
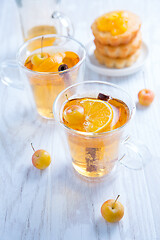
(115, 201)
(42, 47)
(27, 62)
(66, 96)
(32, 147)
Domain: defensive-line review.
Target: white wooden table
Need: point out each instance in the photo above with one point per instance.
(57, 204)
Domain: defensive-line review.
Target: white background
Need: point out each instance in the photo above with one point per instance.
(56, 203)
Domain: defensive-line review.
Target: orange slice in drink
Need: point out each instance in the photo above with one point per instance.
(48, 65)
(70, 59)
(98, 115)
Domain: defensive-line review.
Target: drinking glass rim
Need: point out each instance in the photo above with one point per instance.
(92, 134)
(24, 45)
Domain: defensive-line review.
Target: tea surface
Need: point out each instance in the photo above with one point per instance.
(120, 114)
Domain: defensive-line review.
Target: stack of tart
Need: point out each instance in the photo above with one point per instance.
(117, 39)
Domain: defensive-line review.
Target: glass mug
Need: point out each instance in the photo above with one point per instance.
(44, 86)
(95, 154)
(39, 17)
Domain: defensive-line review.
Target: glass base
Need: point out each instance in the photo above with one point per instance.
(95, 175)
(46, 115)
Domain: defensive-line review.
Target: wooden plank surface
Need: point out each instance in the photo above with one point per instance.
(57, 204)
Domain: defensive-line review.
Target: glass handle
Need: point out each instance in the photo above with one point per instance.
(64, 21)
(135, 156)
(10, 74)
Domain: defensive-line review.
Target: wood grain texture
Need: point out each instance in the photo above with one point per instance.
(56, 203)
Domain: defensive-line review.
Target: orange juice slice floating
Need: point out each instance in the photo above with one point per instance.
(99, 115)
(70, 59)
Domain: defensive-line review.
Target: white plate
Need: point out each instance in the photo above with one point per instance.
(93, 64)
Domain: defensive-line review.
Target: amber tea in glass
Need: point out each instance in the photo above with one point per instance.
(89, 155)
(94, 115)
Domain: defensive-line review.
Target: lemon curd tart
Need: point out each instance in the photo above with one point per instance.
(115, 22)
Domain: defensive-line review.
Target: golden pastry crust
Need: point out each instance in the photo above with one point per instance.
(106, 38)
(121, 51)
(117, 62)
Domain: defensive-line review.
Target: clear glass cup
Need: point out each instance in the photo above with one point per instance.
(39, 17)
(43, 86)
(95, 154)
